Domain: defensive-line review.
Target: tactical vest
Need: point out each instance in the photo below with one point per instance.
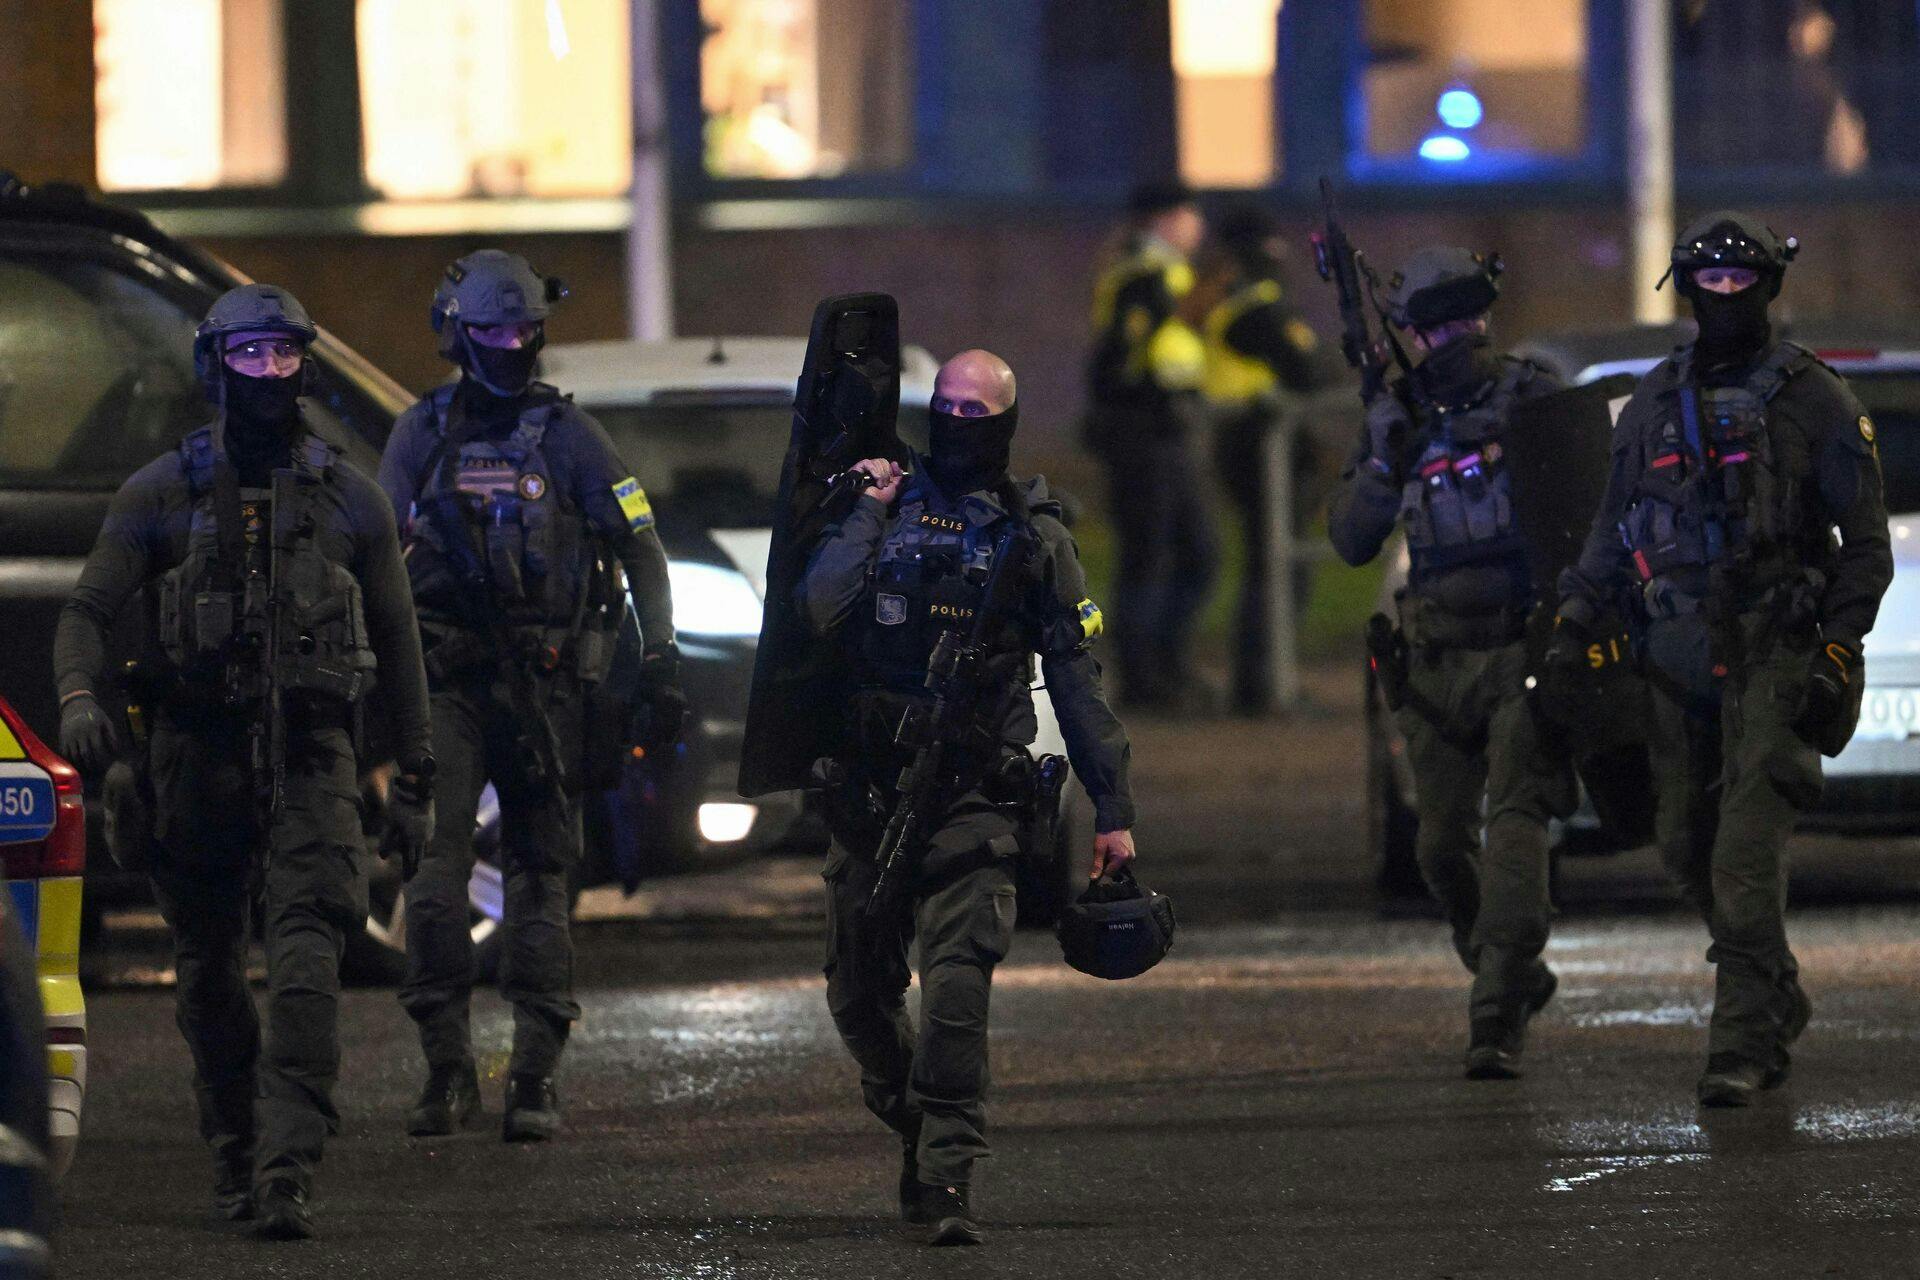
(255, 581)
(1457, 503)
(1718, 485)
(930, 577)
(531, 545)
(1233, 378)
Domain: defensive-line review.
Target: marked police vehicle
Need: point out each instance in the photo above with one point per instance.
(97, 311)
(1874, 785)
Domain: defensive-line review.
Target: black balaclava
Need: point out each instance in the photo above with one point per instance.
(1733, 326)
(262, 419)
(1454, 371)
(505, 371)
(969, 454)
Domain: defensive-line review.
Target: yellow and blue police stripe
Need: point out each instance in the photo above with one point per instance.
(634, 504)
(1092, 621)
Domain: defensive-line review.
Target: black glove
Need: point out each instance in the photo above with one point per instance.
(1829, 681)
(1388, 426)
(661, 710)
(88, 738)
(1567, 651)
(409, 824)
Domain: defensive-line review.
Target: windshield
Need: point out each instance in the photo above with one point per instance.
(716, 461)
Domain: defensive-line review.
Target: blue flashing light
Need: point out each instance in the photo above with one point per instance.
(1444, 148)
(1459, 109)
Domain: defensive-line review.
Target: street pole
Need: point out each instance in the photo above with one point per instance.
(1650, 155)
(650, 229)
(1284, 556)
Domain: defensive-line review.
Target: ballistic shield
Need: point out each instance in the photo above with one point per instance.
(1558, 449)
(844, 409)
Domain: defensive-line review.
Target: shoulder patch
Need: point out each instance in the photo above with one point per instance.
(633, 504)
(1092, 621)
(1866, 428)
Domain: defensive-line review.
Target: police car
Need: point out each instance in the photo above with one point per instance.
(1874, 785)
(43, 849)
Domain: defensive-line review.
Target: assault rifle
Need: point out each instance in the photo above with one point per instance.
(1346, 268)
(957, 676)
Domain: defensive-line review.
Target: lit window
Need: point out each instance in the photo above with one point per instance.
(189, 94)
(1223, 60)
(495, 97)
(805, 88)
(1486, 81)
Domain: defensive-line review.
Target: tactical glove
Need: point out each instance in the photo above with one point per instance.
(409, 825)
(1388, 426)
(661, 705)
(88, 738)
(1567, 651)
(1831, 689)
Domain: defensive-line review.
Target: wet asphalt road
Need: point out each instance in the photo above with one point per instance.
(1281, 1097)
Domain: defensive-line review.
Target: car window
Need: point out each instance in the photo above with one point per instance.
(96, 372)
(715, 462)
(1893, 401)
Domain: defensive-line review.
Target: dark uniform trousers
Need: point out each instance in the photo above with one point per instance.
(476, 739)
(1168, 554)
(1731, 781)
(1488, 744)
(278, 1105)
(930, 1087)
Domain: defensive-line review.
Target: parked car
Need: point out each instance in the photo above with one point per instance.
(1873, 786)
(705, 425)
(43, 850)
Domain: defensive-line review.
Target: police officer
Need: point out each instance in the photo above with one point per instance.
(1259, 359)
(280, 592)
(1431, 461)
(1735, 462)
(520, 519)
(1145, 418)
(905, 565)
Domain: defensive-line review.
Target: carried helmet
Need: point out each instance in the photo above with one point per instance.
(1725, 238)
(1117, 928)
(251, 307)
(1443, 284)
(490, 286)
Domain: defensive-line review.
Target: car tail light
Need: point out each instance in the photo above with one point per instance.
(1840, 355)
(63, 850)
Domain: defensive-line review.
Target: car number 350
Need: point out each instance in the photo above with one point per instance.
(18, 801)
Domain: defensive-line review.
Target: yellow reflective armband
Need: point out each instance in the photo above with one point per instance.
(1092, 621)
(634, 504)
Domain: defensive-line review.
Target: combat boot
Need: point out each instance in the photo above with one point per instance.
(1732, 1081)
(281, 1207)
(233, 1185)
(1496, 1041)
(450, 1101)
(1796, 1010)
(911, 1209)
(948, 1216)
(533, 1109)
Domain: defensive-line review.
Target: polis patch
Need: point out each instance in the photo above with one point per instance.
(633, 504)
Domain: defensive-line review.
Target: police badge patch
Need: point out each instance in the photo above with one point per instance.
(532, 486)
(889, 610)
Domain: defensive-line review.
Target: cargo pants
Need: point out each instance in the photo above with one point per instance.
(1472, 737)
(273, 1101)
(477, 738)
(1732, 778)
(929, 1086)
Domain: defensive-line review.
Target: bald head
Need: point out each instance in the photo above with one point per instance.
(974, 384)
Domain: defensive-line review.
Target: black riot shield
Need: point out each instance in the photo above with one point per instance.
(844, 409)
(1558, 451)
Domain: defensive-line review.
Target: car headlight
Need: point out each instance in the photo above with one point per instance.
(712, 600)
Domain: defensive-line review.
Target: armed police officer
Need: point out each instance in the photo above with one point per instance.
(908, 570)
(1456, 667)
(279, 593)
(1145, 422)
(521, 522)
(1736, 463)
(1260, 358)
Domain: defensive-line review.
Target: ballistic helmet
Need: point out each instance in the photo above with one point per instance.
(1725, 238)
(490, 286)
(1117, 928)
(1443, 284)
(251, 307)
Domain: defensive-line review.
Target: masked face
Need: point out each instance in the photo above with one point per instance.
(1732, 325)
(966, 454)
(503, 369)
(264, 402)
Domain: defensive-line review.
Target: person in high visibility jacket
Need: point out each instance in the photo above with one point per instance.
(1144, 421)
(1259, 359)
